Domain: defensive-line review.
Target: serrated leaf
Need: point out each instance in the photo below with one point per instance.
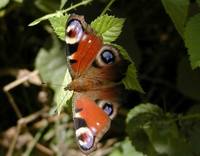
(178, 11)
(188, 80)
(125, 148)
(142, 109)
(109, 27)
(155, 133)
(58, 24)
(130, 81)
(139, 118)
(3, 3)
(192, 38)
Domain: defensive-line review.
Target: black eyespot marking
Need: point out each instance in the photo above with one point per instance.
(107, 57)
(95, 64)
(108, 108)
(79, 122)
(78, 110)
(72, 61)
(72, 48)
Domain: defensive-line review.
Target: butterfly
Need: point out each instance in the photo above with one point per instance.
(96, 70)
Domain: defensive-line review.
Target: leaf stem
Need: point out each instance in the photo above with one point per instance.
(107, 7)
(84, 2)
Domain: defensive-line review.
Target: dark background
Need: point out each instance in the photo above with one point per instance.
(148, 35)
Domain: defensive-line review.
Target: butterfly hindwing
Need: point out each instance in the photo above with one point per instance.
(93, 112)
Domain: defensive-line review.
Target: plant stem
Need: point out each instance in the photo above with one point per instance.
(84, 2)
(107, 7)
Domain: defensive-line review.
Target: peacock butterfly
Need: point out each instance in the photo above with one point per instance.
(96, 70)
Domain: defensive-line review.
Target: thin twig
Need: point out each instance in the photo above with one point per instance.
(33, 142)
(76, 5)
(107, 7)
(13, 104)
(12, 85)
(17, 82)
(22, 122)
(13, 143)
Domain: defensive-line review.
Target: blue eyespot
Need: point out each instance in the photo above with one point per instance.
(107, 57)
(108, 108)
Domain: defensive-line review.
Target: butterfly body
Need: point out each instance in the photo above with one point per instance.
(97, 70)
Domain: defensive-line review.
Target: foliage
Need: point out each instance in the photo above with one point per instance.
(154, 132)
(165, 125)
(108, 27)
(189, 28)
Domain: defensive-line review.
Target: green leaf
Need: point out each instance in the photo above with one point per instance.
(147, 108)
(51, 63)
(52, 66)
(191, 128)
(63, 96)
(3, 3)
(188, 80)
(58, 24)
(125, 148)
(109, 27)
(137, 120)
(192, 38)
(130, 81)
(155, 133)
(178, 11)
(62, 3)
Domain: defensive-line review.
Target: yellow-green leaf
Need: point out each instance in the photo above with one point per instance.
(192, 40)
(58, 24)
(178, 11)
(109, 27)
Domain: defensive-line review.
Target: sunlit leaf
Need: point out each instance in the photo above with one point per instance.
(109, 27)
(192, 38)
(58, 24)
(51, 64)
(178, 11)
(3, 3)
(63, 96)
